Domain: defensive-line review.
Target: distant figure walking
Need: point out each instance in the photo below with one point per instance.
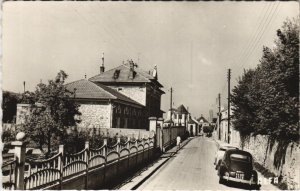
(178, 141)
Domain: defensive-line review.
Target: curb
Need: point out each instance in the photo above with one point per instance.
(159, 166)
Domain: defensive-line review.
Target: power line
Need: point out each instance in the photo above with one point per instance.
(96, 29)
(258, 32)
(253, 35)
(263, 32)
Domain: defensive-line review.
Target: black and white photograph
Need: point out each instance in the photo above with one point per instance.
(150, 95)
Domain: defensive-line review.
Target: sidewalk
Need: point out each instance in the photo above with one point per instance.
(141, 176)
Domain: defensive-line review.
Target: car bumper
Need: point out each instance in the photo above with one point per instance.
(239, 180)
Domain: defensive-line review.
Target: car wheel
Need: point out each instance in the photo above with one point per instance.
(221, 180)
(255, 187)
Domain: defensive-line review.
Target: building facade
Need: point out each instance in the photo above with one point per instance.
(223, 129)
(122, 97)
(103, 107)
(136, 84)
(179, 116)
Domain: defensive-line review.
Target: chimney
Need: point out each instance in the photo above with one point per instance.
(102, 68)
(154, 74)
(131, 70)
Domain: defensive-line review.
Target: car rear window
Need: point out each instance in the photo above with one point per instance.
(240, 157)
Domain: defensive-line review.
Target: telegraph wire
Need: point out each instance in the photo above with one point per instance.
(109, 30)
(89, 24)
(254, 33)
(262, 34)
(268, 13)
(258, 32)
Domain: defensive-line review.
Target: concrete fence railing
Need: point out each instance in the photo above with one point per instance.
(90, 168)
(87, 169)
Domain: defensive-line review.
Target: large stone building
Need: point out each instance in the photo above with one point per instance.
(122, 97)
(132, 82)
(103, 107)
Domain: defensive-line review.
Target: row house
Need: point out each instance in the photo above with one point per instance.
(181, 117)
(223, 127)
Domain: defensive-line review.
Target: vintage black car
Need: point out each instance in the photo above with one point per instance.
(237, 166)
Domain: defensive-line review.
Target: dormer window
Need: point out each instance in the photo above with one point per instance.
(116, 74)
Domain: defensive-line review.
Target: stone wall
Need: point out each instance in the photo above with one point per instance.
(113, 132)
(259, 147)
(93, 115)
(138, 94)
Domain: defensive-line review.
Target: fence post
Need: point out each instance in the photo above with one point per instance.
(161, 129)
(128, 143)
(136, 141)
(20, 149)
(118, 144)
(61, 164)
(152, 124)
(87, 153)
(104, 153)
(170, 142)
(105, 146)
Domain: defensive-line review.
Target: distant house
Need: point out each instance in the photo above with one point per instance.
(193, 126)
(224, 124)
(104, 107)
(179, 116)
(202, 121)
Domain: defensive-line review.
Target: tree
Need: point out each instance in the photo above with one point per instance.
(9, 106)
(280, 76)
(243, 100)
(50, 111)
(266, 99)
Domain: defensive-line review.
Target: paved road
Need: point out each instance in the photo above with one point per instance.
(190, 169)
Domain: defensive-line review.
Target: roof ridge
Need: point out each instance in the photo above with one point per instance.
(100, 74)
(90, 83)
(140, 71)
(105, 90)
(73, 82)
(115, 91)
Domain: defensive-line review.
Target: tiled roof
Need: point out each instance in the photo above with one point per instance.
(88, 90)
(202, 118)
(182, 110)
(191, 121)
(108, 76)
(117, 94)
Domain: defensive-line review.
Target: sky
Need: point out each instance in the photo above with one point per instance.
(193, 44)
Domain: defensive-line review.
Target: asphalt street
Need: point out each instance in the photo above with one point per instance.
(191, 168)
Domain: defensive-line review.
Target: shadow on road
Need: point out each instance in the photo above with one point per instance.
(241, 186)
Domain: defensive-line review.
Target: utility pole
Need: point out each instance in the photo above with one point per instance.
(171, 90)
(228, 132)
(24, 86)
(219, 98)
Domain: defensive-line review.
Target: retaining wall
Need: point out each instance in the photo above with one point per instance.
(289, 171)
